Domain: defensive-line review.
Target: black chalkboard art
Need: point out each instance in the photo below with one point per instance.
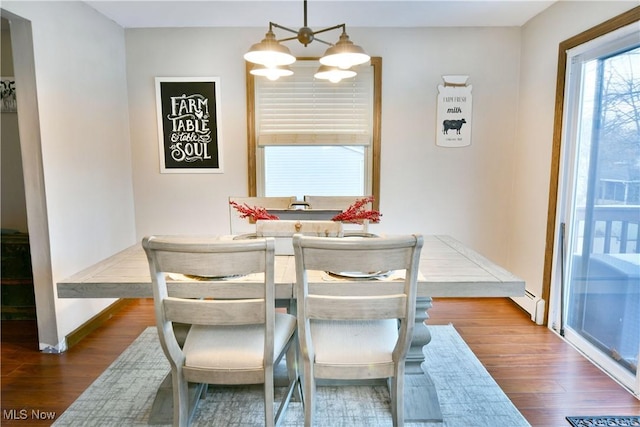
(188, 124)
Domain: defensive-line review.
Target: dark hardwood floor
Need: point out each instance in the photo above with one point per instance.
(544, 377)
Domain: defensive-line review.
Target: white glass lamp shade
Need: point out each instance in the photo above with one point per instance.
(344, 54)
(269, 52)
(333, 74)
(272, 73)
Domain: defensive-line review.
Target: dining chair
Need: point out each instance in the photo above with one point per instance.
(236, 337)
(361, 329)
(239, 225)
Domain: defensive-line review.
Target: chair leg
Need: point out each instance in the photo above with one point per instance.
(397, 397)
(292, 369)
(309, 394)
(203, 394)
(269, 416)
(180, 399)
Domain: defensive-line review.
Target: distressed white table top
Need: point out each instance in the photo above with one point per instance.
(447, 267)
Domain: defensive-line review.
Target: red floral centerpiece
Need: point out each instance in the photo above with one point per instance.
(354, 214)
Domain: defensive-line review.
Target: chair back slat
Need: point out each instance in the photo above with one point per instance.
(356, 308)
(225, 289)
(349, 257)
(362, 288)
(215, 312)
(227, 260)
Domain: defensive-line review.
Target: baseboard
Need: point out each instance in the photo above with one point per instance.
(532, 305)
(75, 336)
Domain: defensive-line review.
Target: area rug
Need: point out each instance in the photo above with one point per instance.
(124, 393)
(604, 421)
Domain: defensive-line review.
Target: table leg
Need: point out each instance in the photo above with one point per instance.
(421, 337)
(420, 395)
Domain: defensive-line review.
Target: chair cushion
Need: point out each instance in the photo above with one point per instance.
(234, 347)
(340, 342)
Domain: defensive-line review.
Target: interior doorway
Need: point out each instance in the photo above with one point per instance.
(33, 177)
(18, 300)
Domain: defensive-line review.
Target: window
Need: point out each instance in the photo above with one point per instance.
(312, 137)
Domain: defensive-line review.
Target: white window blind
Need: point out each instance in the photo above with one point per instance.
(302, 110)
(313, 136)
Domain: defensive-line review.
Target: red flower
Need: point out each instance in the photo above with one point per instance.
(357, 214)
(253, 213)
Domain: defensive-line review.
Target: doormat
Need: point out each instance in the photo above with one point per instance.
(605, 421)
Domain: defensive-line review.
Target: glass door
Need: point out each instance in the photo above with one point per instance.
(601, 278)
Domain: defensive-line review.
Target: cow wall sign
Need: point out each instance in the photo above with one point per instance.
(188, 124)
(454, 112)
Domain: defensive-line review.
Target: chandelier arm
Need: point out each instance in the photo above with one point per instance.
(288, 39)
(335, 27)
(273, 24)
(314, 39)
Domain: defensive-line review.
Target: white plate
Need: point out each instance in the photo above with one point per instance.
(359, 274)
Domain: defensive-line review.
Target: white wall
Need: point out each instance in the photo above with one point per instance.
(186, 203)
(462, 192)
(532, 157)
(83, 112)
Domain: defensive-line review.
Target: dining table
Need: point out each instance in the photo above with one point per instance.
(447, 268)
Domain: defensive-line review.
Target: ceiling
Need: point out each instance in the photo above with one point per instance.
(321, 13)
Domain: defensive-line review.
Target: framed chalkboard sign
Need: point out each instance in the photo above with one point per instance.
(188, 124)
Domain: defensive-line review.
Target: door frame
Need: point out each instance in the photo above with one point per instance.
(554, 252)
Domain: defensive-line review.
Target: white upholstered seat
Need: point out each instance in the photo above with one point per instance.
(356, 331)
(236, 335)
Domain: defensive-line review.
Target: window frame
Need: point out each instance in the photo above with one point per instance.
(252, 140)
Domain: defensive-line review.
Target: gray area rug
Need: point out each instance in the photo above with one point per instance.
(124, 393)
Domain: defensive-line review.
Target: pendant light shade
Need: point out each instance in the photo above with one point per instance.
(333, 74)
(344, 54)
(271, 73)
(269, 52)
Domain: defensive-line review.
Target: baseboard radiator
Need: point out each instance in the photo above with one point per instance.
(533, 305)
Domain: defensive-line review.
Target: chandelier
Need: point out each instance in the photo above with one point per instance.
(272, 59)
